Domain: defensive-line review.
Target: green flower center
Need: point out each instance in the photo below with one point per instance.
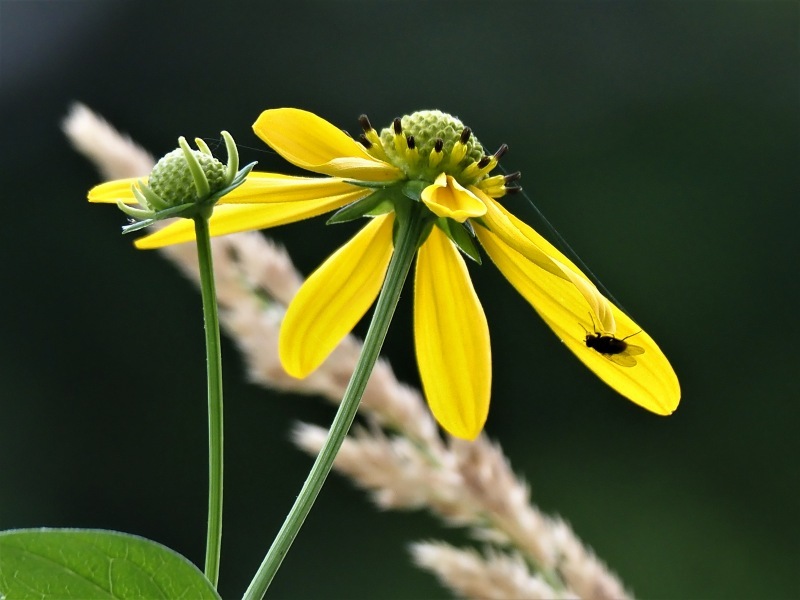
(429, 142)
(172, 179)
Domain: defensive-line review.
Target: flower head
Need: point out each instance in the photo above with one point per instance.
(430, 165)
(183, 183)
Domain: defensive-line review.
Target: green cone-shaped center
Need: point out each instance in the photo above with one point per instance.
(426, 127)
(172, 180)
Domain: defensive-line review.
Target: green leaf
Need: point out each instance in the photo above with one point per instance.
(377, 203)
(413, 189)
(461, 235)
(68, 564)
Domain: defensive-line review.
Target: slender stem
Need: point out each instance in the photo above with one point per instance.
(214, 372)
(406, 240)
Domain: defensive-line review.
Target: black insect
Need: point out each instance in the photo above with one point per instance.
(615, 349)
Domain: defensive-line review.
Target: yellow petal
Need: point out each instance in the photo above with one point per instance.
(650, 383)
(452, 339)
(446, 198)
(310, 142)
(274, 187)
(521, 237)
(113, 191)
(232, 218)
(334, 298)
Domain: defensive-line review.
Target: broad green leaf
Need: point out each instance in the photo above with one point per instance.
(65, 564)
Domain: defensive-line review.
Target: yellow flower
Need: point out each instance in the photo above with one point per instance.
(427, 162)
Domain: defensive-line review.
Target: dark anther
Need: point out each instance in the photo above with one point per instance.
(398, 126)
(465, 135)
(484, 161)
(500, 152)
(410, 142)
(512, 177)
(365, 124)
(363, 139)
(439, 145)
(514, 189)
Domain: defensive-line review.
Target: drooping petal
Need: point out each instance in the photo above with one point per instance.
(334, 298)
(650, 383)
(452, 339)
(115, 191)
(310, 142)
(521, 237)
(232, 218)
(446, 198)
(274, 187)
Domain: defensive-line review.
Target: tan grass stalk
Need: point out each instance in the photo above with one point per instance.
(493, 576)
(399, 456)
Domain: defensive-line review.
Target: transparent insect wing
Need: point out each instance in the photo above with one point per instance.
(634, 350)
(623, 359)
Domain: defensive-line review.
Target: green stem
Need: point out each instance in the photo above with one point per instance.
(406, 240)
(214, 373)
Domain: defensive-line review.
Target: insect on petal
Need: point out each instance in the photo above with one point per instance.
(650, 382)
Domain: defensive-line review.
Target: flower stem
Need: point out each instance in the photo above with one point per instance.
(214, 374)
(407, 237)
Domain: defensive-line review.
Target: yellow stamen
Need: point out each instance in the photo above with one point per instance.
(400, 142)
(458, 152)
(477, 169)
(436, 154)
(412, 154)
(490, 182)
(494, 191)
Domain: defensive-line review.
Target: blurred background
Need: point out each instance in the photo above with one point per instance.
(660, 138)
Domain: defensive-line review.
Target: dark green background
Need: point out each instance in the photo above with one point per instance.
(661, 138)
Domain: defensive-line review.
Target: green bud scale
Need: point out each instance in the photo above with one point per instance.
(185, 183)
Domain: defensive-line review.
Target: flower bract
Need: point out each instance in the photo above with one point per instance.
(427, 162)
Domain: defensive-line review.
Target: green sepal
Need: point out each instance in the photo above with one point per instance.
(147, 197)
(198, 175)
(235, 182)
(377, 185)
(188, 210)
(202, 146)
(181, 210)
(461, 234)
(377, 203)
(413, 189)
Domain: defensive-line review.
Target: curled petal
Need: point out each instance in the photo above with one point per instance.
(274, 187)
(648, 380)
(119, 190)
(310, 142)
(452, 339)
(446, 198)
(521, 237)
(232, 218)
(334, 298)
